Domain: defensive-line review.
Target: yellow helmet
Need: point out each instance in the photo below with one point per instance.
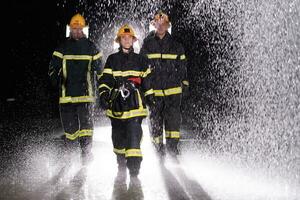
(77, 21)
(125, 30)
(162, 17)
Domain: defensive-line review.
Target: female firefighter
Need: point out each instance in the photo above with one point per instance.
(124, 91)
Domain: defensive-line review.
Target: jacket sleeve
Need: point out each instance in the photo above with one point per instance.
(144, 51)
(97, 63)
(146, 77)
(183, 66)
(106, 79)
(55, 66)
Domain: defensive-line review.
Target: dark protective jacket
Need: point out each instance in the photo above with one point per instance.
(168, 64)
(118, 78)
(74, 66)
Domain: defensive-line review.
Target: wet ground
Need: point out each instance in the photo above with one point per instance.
(32, 167)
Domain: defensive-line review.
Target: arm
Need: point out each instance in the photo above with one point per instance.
(55, 67)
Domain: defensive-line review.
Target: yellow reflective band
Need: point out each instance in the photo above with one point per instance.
(146, 73)
(71, 136)
(128, 114)
(127, 73)
(77, 57)
(154, 55)
(58, 54)
(148, 92)
(63, 87)
(169, 56)
(105, 86)
(185, 82)
(133, 153)
(119, 151)
(89, 80)
(107, 71)
(85, 132)
(97, 56)
(182, 57)
(168, 92)
(99, 76)
(172, 134)
(81, 99)
(157, 140)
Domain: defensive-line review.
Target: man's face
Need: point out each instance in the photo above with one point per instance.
(126, 41)
(161, 27)
(76, 33)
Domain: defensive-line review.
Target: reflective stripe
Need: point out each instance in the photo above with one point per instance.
(172, 134)
(97, 56)
(81, 99)
(78, 57)
(185, 82)
(63, 89)
(85, 132)
(182, 57)
(133, 153)
(105, 86)
(89, 80)
(119, 151)
(107, 71)
(127, 73)
(168, 92)
(99, 76)
(148, 92)
(169, 56)
(58, 54)
(146, 73)
(154, 55)
(71, 136)
(162, 56)
(128, 114)
(157, 140)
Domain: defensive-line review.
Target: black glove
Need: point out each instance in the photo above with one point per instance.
(150, 100)
(104, 100)
(185, 90)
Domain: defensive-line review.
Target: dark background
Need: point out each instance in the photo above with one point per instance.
(34, 28)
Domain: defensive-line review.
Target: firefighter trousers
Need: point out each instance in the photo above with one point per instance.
(165, 117)
(77, 122)
(126, 137)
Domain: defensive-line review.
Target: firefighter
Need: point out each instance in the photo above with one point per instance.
(73, 68)
(169, 81)
(124, 92)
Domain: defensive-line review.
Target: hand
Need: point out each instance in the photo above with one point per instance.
(104, 100)
(185, 91)
(150, 100)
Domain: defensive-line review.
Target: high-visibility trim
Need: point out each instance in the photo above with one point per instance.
(141, 111)
(107, 71)
(89, 80)
(119, 151)
(157, 140)
(58, 54)
(80, 99)
(185, 82)
(169, 56)
(168, 92)
(97, 56)
(182, 57)
(162, 56)
(146, 73)
(99, 76)
(133, 153)
(154, 55)
(78, 57)
(172, 134)
(127, 73)
(63, 91)
(71, 136)
(85, 132)
(103, 85)
(148, 92)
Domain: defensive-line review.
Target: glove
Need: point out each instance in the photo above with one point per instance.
(185, 90)
(150, 101)
(104, 100)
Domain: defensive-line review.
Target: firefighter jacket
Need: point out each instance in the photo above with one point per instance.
(126, 77)
(74, 66)
(168, 64)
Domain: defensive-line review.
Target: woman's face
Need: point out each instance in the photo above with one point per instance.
(126, 41)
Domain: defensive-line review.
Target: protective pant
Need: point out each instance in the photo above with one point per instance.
(77, 123)
(166, 114)
(126, 138)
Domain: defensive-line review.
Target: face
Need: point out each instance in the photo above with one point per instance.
(126, 41)
(161, 28)
(76, 33)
